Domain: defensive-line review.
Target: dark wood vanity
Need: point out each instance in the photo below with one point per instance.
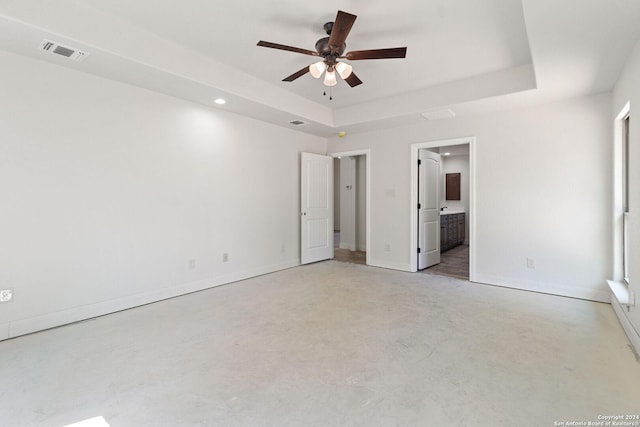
(452, 230)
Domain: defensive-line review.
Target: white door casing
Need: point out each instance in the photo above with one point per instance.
(316, 208)
(429, 209)
(470, 141)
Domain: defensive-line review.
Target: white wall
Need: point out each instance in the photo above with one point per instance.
(626, 90)
(457, 164)
(353, 202)
(361, 203)
(336, 194)
(108, 191)
(348, 203)
(542, 185)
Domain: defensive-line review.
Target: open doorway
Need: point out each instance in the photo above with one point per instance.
(455, 195)
(351, 206)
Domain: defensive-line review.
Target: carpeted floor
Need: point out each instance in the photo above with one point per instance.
(329, 344)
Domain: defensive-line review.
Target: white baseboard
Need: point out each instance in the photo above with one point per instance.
(629, 330)
(4, 331)
(75, 314)
(599, 295)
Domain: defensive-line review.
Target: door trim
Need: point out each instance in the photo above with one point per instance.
(367, 154)
(413, 248)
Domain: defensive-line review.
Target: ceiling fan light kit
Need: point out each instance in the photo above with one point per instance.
(331, 49)
(317, 68)
(344, 70)
(330, 77)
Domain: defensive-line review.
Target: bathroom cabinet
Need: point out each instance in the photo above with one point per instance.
(452, 230)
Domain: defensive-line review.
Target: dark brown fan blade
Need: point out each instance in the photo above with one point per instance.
(353, 80)
(395, 52)
(289, 48)
(341, 27)
(297, 74)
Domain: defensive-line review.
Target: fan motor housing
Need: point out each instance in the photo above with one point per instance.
(323, 48)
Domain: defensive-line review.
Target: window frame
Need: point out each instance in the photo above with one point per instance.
(626, 120)
(620, 199)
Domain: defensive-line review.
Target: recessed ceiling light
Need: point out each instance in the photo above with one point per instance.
(220, 101)
(446, 154)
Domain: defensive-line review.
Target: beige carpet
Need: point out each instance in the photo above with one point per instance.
(329, 344)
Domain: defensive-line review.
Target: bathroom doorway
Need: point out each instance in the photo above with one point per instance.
(456, 207)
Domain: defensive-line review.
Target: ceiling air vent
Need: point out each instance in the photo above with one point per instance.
(296, 122)
(438, 114)
(66, 51)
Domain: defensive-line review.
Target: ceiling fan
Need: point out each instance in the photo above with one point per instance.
(331, 49)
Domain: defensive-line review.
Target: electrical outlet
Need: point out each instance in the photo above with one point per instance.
(225, 257)
(531, 263)
(6, 295)
(192, 264)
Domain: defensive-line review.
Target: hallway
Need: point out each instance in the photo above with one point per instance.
(345, 255)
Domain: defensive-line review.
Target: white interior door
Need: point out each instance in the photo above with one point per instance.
(428, 209)
(316, 200)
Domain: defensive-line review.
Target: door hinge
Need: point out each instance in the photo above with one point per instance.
(419, 206)
(419, 162)
(418, 250)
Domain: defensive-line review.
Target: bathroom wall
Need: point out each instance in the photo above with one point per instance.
(457, 164)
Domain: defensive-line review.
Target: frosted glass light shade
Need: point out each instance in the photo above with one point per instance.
(330, 78)
(316, 69)
(344, 70)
